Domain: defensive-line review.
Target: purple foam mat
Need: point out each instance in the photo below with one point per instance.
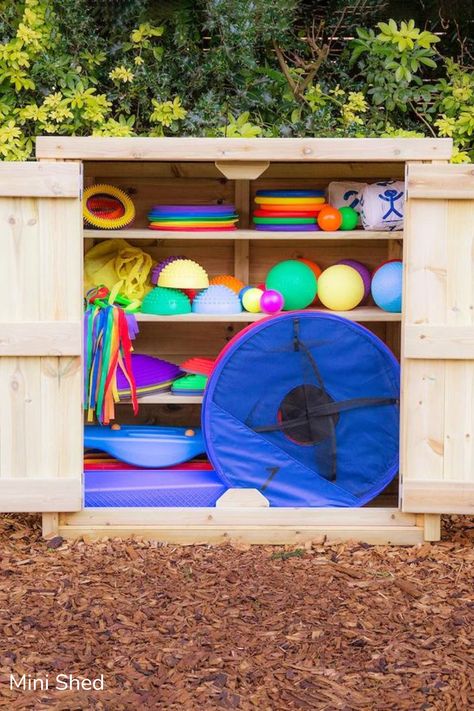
(151, 487)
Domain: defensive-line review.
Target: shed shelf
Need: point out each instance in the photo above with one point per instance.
(244, 234)
(360, 314)
(167, 399)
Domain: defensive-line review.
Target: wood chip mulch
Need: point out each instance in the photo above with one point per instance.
(325, 627)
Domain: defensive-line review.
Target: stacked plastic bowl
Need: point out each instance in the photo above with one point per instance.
(288, 210)
(193, 218)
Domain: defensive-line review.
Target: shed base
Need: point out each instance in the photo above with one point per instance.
(267, 526)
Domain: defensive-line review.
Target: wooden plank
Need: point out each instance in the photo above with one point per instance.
(424, 302)
(241, 246)
(441, 182)
(40, 338)
(318, 174)
(167, 399)
(230, 149)
(360, 314)
(238, 516)
(439, 342)
(263, 535)
(52, 180)
(435, 496)
(24, 494)
(238, 235)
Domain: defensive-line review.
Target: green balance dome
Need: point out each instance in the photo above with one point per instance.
(166, 302)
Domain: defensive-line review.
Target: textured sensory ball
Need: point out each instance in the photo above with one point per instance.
(387, 286)
(271, 302)
(295, 281)
(329, 219)
(251, 300)
(340, 288)
(350, 218)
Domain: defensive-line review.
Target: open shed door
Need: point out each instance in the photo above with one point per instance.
(437, 451)
(40, 337)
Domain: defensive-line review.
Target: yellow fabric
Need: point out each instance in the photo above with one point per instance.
(116, 264)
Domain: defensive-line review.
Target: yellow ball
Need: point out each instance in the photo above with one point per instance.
(340, 288)
(251, 300)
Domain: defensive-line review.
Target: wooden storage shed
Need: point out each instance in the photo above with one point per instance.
(43, 242)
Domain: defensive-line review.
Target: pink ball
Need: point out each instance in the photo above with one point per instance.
(271, 301)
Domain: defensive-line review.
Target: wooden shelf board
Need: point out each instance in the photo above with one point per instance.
(361, 314)
(240, 235)
(167, 399)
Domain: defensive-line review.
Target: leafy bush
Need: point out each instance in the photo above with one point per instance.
(222, 67)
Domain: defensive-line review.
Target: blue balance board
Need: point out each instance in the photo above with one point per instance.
(146, 446)
(151, 487)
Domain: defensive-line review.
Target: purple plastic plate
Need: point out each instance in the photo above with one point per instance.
(288, 228)
(195, 209)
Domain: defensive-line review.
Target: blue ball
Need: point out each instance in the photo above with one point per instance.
(387, 287)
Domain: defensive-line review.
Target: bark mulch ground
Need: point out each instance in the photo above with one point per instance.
(323, 627)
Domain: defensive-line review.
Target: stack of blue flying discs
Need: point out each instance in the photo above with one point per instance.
(195, 218)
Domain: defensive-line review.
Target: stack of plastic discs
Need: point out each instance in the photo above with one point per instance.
(151, 375)
(192, 384)
(193, 218)
(288, 210)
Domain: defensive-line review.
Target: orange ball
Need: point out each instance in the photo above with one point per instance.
(329, 219)
(316, 269)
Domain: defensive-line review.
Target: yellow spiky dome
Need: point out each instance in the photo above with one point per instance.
(183, 274)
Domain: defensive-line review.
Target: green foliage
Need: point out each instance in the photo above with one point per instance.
(222, 67)
(392, 63)
(454, 104)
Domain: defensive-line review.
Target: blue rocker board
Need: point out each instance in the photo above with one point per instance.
(151, 487)
(146, 446)
(304, 407)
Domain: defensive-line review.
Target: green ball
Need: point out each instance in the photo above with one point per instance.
(296, 281)
(350, 218)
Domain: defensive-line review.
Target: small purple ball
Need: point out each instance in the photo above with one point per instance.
(271, 301)
(364, 273)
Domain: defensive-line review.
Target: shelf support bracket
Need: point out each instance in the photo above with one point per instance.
(242, 170)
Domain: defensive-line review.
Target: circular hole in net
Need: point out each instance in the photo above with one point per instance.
(297, 404)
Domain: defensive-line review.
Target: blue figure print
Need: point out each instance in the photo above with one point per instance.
(348, 194)
(391, 196)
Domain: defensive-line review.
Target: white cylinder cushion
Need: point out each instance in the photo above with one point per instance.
(382, 205)
(346, 193)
